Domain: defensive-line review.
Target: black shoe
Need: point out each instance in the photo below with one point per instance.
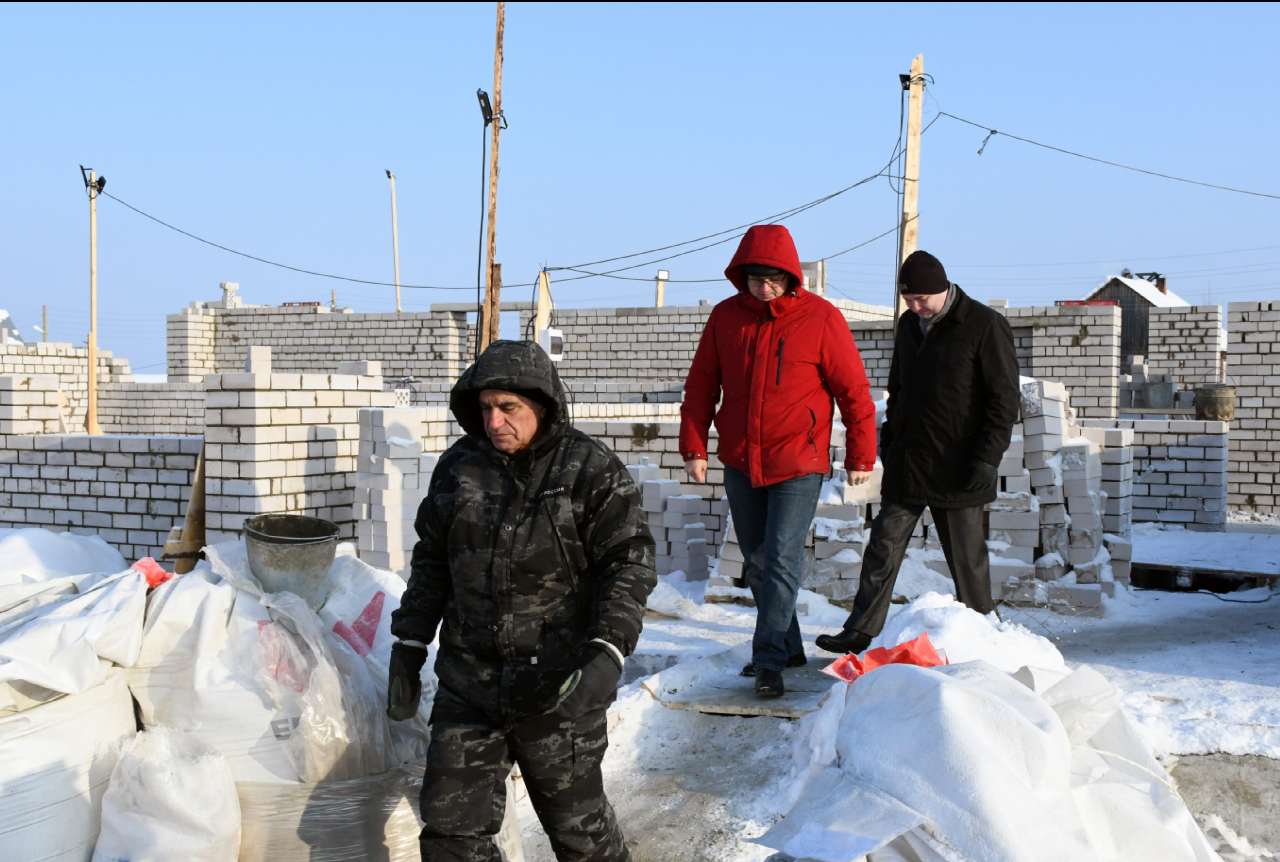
(769, 683)
(797, 660)
(848, 641)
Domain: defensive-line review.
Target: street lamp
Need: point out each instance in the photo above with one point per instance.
(663, 275)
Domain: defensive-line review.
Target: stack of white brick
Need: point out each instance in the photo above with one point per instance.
(1117, 475)
(1046, 419)
(392, 478)
(283, 443)
(1086, 503)
(29, 404)
(1130, 385)
(1011, 538)
(834, 550)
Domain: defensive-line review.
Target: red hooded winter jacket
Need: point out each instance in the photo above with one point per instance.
(779, 364)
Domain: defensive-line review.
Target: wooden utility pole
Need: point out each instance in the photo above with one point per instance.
(489, 327)
(395, 237)
(543, 318)
(910, 229)
(661, 282)
(91, 414)
(44, 323)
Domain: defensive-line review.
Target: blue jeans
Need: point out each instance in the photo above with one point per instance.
(771, 523)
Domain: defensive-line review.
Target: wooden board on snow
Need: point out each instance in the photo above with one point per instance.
(807, 689)
(1254, 555)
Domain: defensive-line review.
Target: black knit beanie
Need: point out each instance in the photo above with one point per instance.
(922, 273)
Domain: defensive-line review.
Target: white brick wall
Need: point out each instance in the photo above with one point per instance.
(1253, 366)
(283, 443)
(1184, 342)
(129, 490)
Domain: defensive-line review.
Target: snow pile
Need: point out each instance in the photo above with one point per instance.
(966, 635)
(915, 579)
(32, 554)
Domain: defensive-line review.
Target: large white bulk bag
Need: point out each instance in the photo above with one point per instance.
(285, 695)
(360, 820)
(55, 761)
(171, 799)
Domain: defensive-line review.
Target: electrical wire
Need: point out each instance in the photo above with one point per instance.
(992, 132)
(734, 231)
(271, 262)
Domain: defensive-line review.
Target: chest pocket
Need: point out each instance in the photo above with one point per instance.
(558, 510)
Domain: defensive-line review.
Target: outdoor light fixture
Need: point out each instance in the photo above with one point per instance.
(663, 275)
(485, 107)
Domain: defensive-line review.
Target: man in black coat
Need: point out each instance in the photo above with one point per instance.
(535, 555)
(953, 401)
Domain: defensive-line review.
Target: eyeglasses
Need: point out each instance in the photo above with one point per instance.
(778, 280)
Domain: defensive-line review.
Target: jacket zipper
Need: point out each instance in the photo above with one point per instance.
(813, 430)
(778, 381)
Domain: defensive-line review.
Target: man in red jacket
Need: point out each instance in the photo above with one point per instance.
(778, 354)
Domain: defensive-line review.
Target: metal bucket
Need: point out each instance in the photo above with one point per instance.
(292, 553)
(1216, 402)
(1157, 395)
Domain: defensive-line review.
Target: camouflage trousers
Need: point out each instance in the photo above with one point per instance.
(464, 794)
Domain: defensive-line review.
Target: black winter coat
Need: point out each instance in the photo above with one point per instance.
(525, 559)
(953, 398)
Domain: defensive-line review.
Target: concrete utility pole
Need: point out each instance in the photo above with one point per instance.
(44, 323)
(94, 186)
(395, 237)
(661, 282)
(543, 318)
(490, 326)
(910, 230)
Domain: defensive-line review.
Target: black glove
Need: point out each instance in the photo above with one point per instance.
(404, 681)
(591, 685)
(981, 476)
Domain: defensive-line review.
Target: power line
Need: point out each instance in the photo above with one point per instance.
(271, 262)
(992, 132)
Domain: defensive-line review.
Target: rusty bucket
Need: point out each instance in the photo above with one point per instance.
(1216, 402)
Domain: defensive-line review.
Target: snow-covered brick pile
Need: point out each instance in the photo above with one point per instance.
(392, 477)
(680, 537)
(30, 404)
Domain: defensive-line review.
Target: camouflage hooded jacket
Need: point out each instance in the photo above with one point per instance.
(527, 558)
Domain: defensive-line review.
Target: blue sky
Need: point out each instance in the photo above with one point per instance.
(268, 129)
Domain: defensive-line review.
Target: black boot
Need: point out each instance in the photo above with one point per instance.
(797, 660)
(769, 683)
(848, 641)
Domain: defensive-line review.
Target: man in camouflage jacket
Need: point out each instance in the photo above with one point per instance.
(536, 557)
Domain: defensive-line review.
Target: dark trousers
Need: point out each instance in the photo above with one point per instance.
(964, 543)
(464, 793)
(771, 523)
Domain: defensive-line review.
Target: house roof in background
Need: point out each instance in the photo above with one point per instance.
(1146, 290)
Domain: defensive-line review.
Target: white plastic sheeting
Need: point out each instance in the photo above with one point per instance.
(171, 799)
(60, 635)
(55, 761)
(30, 554)
(969, 763)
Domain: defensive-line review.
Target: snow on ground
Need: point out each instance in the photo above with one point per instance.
(1200, 672)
